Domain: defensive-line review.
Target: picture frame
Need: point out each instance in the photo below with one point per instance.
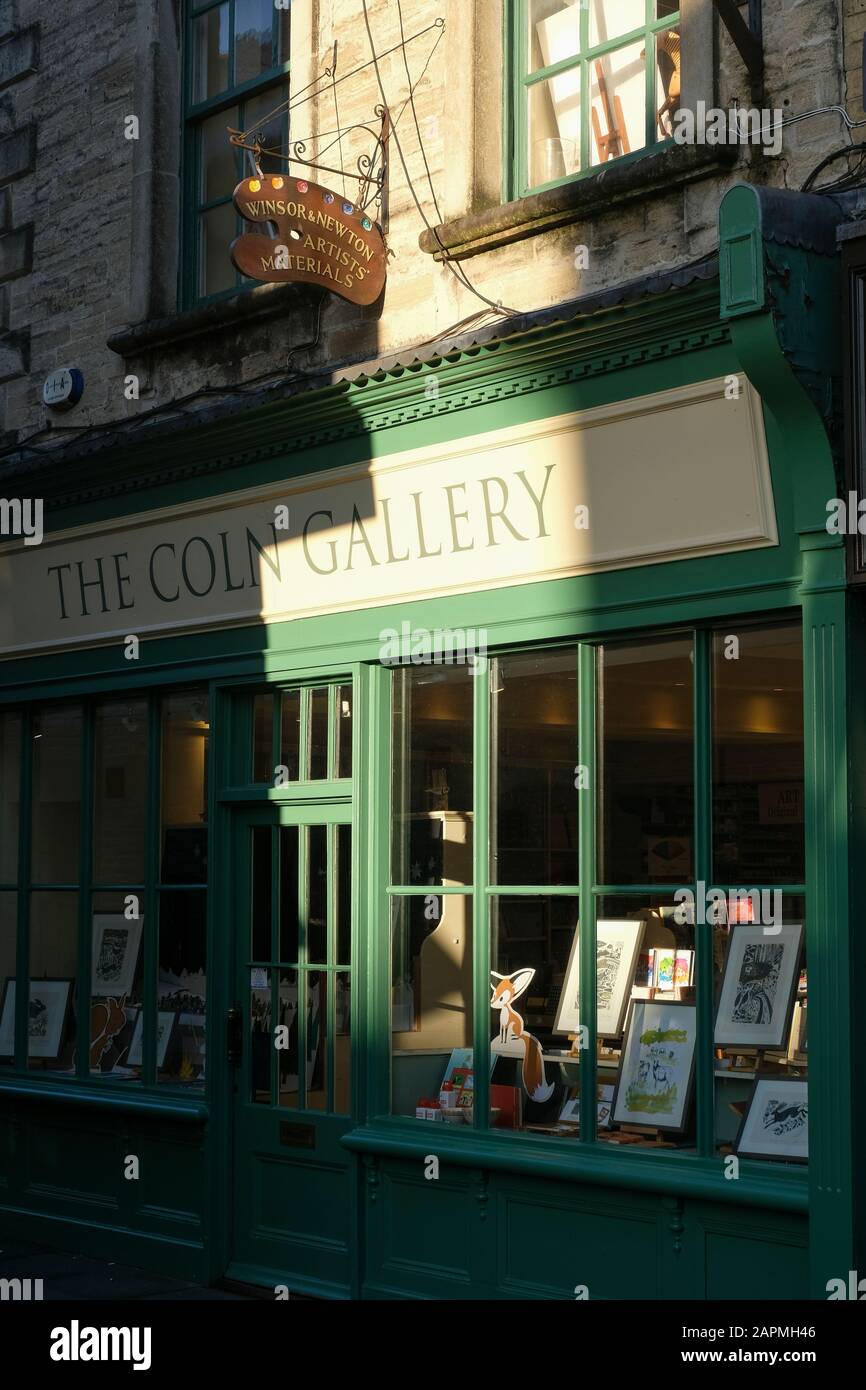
(116, 942)
(46, 1029)
(759, 983)
(618, 943)
(655, 1080)
(775, 1123)
(164, 1029)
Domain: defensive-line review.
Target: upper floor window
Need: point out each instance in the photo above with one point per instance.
(236, 74)
(594, 80)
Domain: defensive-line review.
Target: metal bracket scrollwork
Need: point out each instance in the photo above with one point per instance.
(482, 1196)
(371, 1165)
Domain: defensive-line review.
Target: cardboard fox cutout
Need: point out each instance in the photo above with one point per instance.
(512, 1029)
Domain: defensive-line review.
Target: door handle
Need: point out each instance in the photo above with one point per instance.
(234, 1035)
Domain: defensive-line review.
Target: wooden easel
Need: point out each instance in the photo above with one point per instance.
(615, 142)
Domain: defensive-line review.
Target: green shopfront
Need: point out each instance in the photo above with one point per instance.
(347, 716)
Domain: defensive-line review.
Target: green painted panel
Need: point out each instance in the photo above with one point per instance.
(754, 1268)
(549, 1248)
(427, 1230)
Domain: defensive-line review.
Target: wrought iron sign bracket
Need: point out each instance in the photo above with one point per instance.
(748, 38)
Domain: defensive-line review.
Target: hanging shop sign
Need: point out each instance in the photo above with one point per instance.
(309, 235)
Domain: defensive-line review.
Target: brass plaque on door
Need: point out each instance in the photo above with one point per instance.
(297, 1136)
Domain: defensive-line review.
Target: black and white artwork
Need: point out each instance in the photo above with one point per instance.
(46, 1018)
(758, 984)
(617, 947)
(776, 1122)
(116, 940)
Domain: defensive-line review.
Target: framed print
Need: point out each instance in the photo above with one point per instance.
(115, 953)
(617, 946)
(656, 1075)
(758, 986)
(776, 1121)
(164, 1028)
(46, 1020)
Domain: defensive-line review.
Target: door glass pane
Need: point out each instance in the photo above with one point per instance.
(319, 734)
(260, 917)
(263, 737)
(344, 731)
(342, 1044)
(210, 53)
(262, 1039)
(647, 761)
(432, 787)
(288, 847)
(53, 974)
(317, 1040)
(618, 103)
(758, 823)
(317, 895)
(185, 741)
(116, 986)
(290, 733)
(56, 794)
(219, 227)
(288, 1056)
(344, 894)
(554, 128)
(8, 953)
(534, 798)
(253, 38)
(10, 774)
(431, 995)
(554, 31)
(182, 986)
(120, 741)
(220, 169)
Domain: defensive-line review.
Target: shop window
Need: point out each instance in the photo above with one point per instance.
(115, 864)
(594, 80)
(645, 990)
(237, 75)
(300, 736)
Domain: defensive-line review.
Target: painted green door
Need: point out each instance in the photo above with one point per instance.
(289, 1042)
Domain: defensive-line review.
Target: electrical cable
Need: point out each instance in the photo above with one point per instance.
(459, 275)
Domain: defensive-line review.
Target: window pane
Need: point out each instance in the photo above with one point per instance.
(56, 794)
(260, 914)
(263, 122)
(554, 31)
(530, 943)
(220, 169)
(432, 785)
(263, 737)
(647, 761)
(342, 1044)
(344, 731)
(185, 737)
(761, 1027)
(253, 38)
(431, 993)
(261, 1037)
(758, 826)
(182, 989)
(116, 986)
(554, 128)
(618, 103)
(120, 791)
(289, 919)
(667, 80)
(210, 53)
(8, 954)
(290, 732)
(288, 1057)
(318, 734)
(218, 230)
(317, 895)
(53, 975)
(10, 774)
(608, 19)
(317, 1040)
(533, 798)
(344, 894)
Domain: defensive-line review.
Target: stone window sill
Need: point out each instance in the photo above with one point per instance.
(616, 183)
(253, 305)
